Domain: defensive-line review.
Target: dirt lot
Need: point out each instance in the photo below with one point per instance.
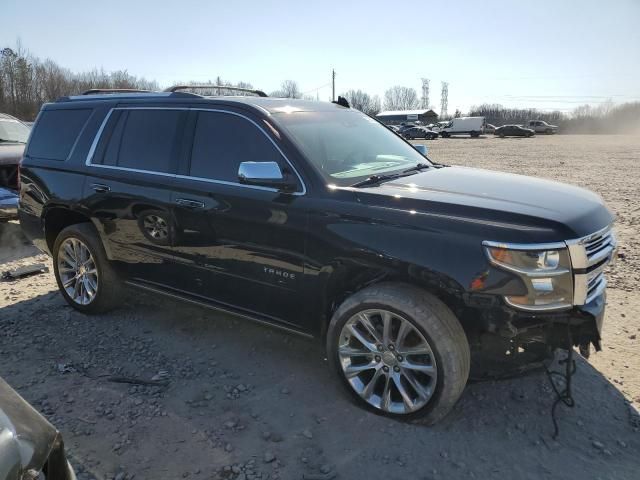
(246, 402)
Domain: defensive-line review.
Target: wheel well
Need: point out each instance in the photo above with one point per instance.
(346, 284)
(57, 219)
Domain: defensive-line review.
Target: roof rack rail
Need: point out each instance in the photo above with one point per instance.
(175, 88)
(94, 91)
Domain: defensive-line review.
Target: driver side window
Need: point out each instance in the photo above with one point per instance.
(222, 141)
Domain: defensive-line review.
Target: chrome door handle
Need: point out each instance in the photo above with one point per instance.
(185, 202)
(100, 188)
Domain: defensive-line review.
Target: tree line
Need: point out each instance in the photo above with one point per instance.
(26, 82)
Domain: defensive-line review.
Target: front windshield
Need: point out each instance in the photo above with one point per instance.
(13, 131)
(348, 146)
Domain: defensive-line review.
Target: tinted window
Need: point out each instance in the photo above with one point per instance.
(56, 132)
(112, 148)
(222, 141)
(141, 139)
(148, 139)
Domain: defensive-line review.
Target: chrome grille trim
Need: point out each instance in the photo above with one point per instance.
(590, 256)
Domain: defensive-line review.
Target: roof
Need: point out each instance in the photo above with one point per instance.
(389, 113)
(269, 104)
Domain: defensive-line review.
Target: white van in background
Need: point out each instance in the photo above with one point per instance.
(473, 126)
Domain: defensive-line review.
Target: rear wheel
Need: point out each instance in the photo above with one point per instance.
(85, 277)
(399, 351)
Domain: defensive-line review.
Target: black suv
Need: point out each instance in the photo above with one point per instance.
(315, 218)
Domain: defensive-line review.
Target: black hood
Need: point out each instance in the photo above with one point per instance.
(11, 153)
(502, 197)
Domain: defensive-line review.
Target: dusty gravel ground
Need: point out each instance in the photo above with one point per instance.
(243, 402)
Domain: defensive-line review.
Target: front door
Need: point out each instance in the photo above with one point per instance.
(241, 246)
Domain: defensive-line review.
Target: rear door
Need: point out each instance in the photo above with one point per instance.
(130, 174)
(240, 246)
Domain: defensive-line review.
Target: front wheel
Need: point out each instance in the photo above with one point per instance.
(399, 351)
(85, 277)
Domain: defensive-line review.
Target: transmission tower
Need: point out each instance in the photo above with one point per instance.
(425, 93)
(444, 99)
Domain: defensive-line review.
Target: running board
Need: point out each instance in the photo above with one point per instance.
(216, 307)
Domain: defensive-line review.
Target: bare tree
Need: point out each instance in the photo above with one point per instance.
(401, 98)
(288, 89)
(363, 101)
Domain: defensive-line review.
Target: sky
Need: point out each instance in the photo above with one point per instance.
(546, 54)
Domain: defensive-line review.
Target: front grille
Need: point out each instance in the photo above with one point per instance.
(590, 256)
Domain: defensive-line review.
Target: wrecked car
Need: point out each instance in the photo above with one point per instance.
(29, 445)
(8, 205)
(13, 138)
(317, 219)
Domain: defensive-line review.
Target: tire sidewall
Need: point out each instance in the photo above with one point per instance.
(332, 342)
(73, 232)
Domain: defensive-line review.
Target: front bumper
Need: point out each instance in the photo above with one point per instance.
(581, 325)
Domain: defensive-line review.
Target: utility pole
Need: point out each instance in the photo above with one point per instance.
(333, 85)
(444, 99)
(425, 93)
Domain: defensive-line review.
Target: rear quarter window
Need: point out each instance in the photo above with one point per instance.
(56, 132)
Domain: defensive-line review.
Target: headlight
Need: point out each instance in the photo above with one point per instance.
(545, 271)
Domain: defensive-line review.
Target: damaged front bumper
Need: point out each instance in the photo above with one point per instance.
(581, 326)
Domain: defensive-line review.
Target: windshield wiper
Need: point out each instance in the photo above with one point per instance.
(417, 168)
(376, 180)
(11, 141)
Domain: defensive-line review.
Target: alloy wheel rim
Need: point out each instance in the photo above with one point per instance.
(156, 226)
(78, 271)
(387, 361)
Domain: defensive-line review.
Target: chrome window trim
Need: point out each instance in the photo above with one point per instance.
(96, 140)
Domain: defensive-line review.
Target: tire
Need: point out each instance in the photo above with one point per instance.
(444, 135)
(501, 135)
(429, 319)
(548, 131)
(103, 299)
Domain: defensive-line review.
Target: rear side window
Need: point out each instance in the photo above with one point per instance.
(56, 132)
(222, 141)
(141, 140)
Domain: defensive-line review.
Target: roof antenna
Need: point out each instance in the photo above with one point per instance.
(342, 102)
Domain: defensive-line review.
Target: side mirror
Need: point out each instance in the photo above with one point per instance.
(264, 174)
(422, 149)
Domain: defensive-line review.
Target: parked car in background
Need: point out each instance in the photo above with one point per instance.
(540, 126)
(437, 127)
(13, 137)
(30, 447)
(419, 132)
(489, 128)
(513, 131)
(8, 205)
(394, 128)
(472, 126)
(314, 218)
